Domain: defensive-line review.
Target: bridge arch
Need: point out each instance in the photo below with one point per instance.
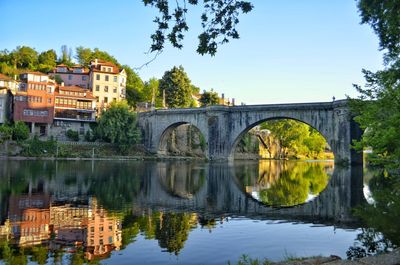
(168, 135)
(247, 128)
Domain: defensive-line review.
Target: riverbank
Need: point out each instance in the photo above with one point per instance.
(391, 258)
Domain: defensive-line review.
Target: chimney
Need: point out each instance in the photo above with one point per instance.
(233, 101)
(62, 84)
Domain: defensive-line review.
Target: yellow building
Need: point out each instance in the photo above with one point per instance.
(107, 82)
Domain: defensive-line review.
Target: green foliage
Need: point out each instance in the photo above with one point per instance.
(47, 61)
(296, 138)
(377, 108)
(384, 18)
(20, 131)
(90, 136)
(24, 57)
(118, 125)
(383, 215)
(134, 87)
(209, 98)
(84, 56)
(37, 148)
(151, 92)
(173, 231)
(66, 56)
(6, 132)
(72, 135)
(246, 260)
(294, 185)
(177, 87)
(218, 19)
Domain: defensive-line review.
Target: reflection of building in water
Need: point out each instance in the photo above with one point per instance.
(104, 233)
(30, 218)
(68, 222)
(5, 230)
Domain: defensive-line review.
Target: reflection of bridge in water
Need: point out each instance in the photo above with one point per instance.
(221, 195)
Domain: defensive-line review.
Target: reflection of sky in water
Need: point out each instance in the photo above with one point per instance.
(229, 240)
(368, 194)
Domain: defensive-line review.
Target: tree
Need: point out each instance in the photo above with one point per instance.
(66, 56)
(20, 131)
(151, 91)
(209, 98)
(134, 86)
(47, 61)
(384, 18)
(24, 57)
(219, 20)
(118, 125)
(83, 55)
(176, 85)
(377, 108)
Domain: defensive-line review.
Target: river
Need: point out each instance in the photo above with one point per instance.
(177, 212)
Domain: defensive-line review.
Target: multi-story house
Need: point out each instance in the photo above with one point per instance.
(72, 76)
(30, 218)
(74, 109)
(107, 82)
(104, 233)
(8, 87)
(34, 102)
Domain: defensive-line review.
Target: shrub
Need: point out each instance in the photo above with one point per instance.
(20, 131)
(36, 147)
(5, 132)
(72, 135)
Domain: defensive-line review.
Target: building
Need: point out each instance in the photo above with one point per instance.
(34, 102)
(72, 76)
(104, 233)
(8, 87)
(74, 109)
(107, 82)
(30, 218)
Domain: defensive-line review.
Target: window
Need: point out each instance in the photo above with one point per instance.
(110, 240)
(106, 77)
(97, 99)
(97, 88)
(84, 78)
(115, 78)
(49, 100)
(105, 99)
(69, 77)
(115, 90)
(57, 101)
(97, 77)
(92, 229)
(101, 241)
(105, 88)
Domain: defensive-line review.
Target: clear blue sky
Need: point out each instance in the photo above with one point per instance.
(289, 50)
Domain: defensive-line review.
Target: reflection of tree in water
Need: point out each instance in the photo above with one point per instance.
(284, 183)
(382, 216)
(173, 230)
(182, 181)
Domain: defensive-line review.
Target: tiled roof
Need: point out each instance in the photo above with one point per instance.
(34, 73)
(5, 78)
(88, 95)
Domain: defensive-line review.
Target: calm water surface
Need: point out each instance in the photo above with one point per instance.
(120, 212)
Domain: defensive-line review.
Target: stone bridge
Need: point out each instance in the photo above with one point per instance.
(223, 126)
